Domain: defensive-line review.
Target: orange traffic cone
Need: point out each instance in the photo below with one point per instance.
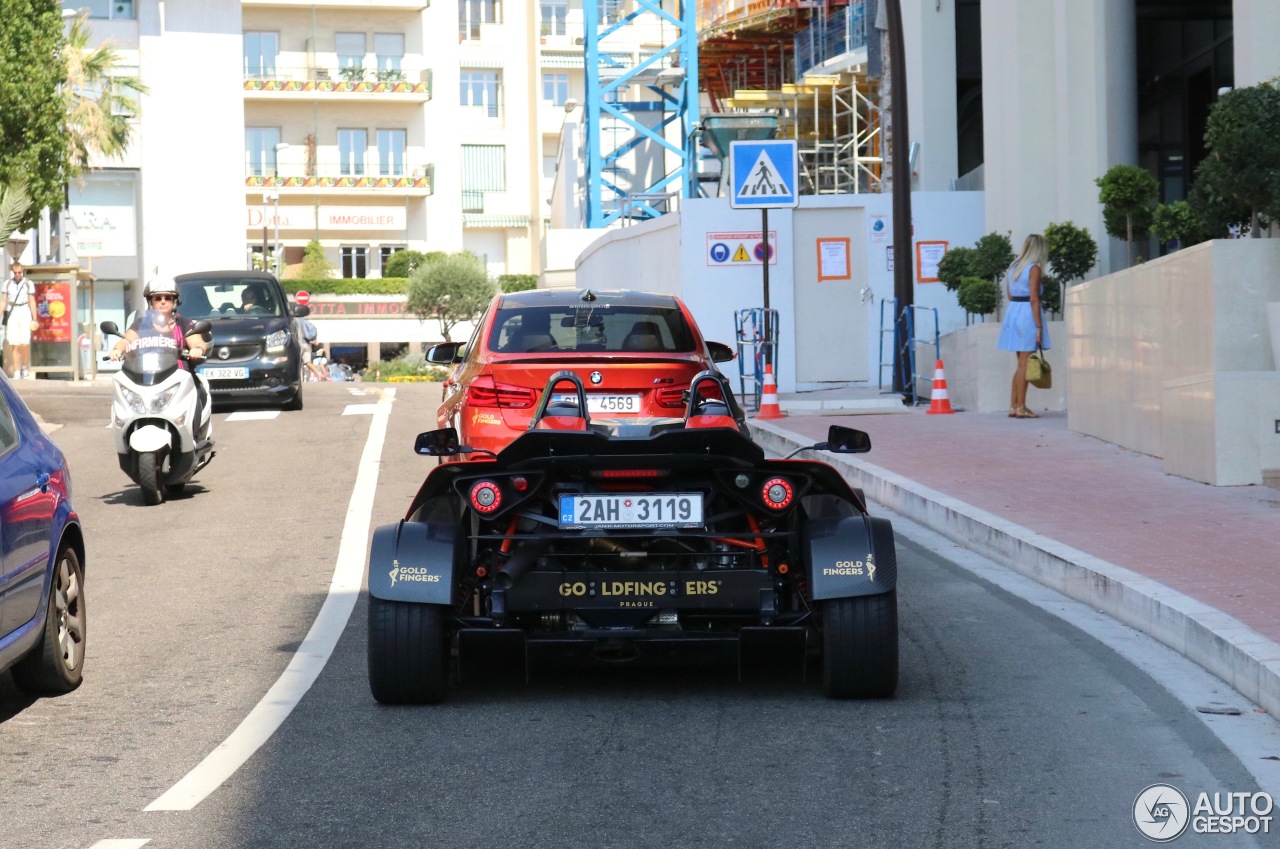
(769, 408)
(939, 403)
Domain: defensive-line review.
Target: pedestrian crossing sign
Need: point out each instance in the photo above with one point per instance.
(764, 174)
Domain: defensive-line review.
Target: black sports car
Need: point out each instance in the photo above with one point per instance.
(616, 540)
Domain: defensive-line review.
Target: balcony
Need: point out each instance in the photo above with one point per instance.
(413, 179)
(362, 5)
(333, 83)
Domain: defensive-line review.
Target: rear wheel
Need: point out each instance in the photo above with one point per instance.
(172, 489)
(408, 655)
(56, 664)
(860, 647)
(149, 477)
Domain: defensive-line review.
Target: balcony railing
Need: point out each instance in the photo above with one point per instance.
(841, 32)
(411, 175)
(355, 78)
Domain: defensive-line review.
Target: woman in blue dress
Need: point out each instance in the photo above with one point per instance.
(1023, 330)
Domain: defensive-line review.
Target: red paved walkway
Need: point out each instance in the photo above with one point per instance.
(1218, 545)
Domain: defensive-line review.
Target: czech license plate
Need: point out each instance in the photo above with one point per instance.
(604, 403)
(633, 510)
(225, 372)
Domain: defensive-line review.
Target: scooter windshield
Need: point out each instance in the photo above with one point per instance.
(154, 355)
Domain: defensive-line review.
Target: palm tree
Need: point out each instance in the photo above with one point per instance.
(14, 201)
(100, 104)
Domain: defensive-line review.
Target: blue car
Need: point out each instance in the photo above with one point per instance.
(42, 603)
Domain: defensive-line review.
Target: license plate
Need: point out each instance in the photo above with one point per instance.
(632, 510)
(604, 403)
(225, 373)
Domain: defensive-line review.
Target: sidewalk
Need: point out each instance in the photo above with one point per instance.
(1195, 566)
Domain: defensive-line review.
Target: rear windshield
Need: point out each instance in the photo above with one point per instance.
(227, 297)
(588, 329)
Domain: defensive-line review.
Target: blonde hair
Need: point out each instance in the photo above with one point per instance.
(1034, 252)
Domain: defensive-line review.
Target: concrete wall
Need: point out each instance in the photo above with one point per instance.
(1173, 358)
(980, 376)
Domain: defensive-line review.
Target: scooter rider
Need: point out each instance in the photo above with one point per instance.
(161, 294)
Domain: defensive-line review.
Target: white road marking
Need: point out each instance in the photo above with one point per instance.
(128, 843)
(252, 415)
(315, 650)
(361, 409)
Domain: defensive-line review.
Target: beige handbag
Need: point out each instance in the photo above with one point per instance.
(1039, 372)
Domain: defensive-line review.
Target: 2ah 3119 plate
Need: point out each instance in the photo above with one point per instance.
(632, 510)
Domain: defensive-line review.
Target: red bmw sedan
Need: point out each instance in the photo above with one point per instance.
(635, 352)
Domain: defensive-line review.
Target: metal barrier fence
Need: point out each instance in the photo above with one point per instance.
(754, 337)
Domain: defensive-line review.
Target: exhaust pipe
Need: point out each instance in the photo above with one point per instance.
(517, 564)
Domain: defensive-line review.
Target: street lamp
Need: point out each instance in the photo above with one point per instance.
(267, 197)
(275, 264)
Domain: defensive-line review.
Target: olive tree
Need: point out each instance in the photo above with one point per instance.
(1072, 253)
(1238, 182)
(1128, 194)
(956, 264)
(451, 289)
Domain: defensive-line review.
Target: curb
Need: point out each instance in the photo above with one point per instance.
(1216, 641)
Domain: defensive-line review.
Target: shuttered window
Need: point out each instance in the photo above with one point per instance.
(484, 169)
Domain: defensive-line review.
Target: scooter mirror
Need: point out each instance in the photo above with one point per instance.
(109, 328)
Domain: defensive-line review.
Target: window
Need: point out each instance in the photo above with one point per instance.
(610, 11)
(480, 88)
(473, 13)
(350, 49)
(109, 9)
(260, 52)
(555, 88)
(384, 254)
(389, 47)
(260, 150)
(484, 169)
(554, 13)
(391, 144)
(352, 145)
(355, 261)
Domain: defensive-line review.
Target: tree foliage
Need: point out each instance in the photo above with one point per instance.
(1127, 194)
(1072, 251)
(100, 104)
(314, 263)
(979, 295)
(451, 289)
(402, 263)
(14, 203)
(1177, 222)
(956, 264)
(1238, 182)
(517, 282)
(992, 256)
(33, 127)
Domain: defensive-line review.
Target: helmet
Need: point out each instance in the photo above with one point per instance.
(160, 286)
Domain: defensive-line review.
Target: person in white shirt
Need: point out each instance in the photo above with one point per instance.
(18, 304)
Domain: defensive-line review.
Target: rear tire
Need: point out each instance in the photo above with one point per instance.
(408, 656)
(860, 647)
(175, 489)
(149, 478)
(56, 664)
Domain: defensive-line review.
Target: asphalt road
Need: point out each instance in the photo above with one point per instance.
(1012, 727)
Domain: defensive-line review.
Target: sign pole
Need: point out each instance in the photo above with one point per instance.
(768, 330)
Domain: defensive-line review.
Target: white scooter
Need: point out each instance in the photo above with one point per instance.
(153, 409)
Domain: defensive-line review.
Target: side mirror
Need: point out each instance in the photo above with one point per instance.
(300, 311)
(437, 443)
(720, 352)
(204, 328)
(109, 328)
(847, 440)
(444, 354)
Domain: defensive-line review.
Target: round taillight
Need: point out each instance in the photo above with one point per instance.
(777, 493)
(485, 497)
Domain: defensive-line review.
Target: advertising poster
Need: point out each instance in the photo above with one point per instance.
(53, 312)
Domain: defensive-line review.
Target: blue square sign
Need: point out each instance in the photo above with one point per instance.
(763, 174)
